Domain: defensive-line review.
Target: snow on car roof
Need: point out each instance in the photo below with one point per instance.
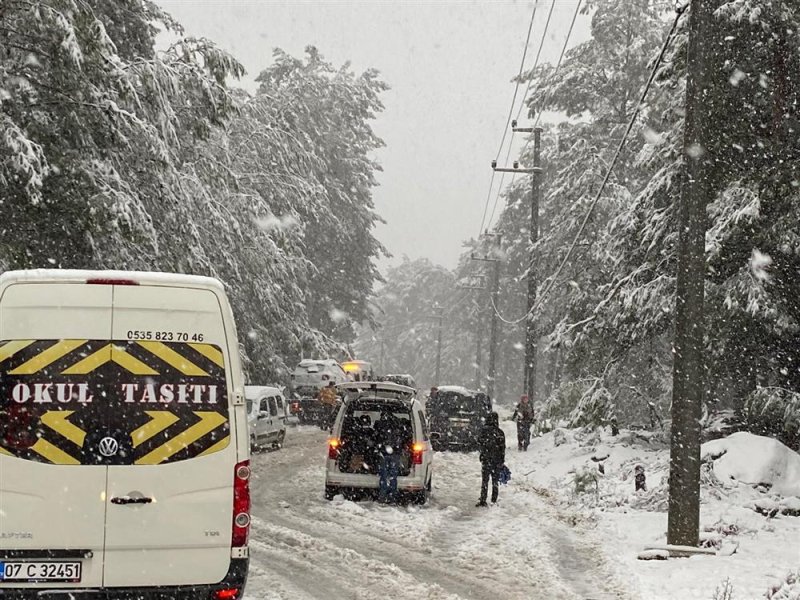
(380, 385)
(252, 392)
(81, 276)
(457, 389)
(306, 362)
(395, 390)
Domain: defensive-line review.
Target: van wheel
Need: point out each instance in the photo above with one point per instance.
(253, 444)
(330, 492)
(420, 498)
(279, 442)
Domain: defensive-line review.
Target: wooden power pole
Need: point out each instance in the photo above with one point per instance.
(688, 367)
(530, 321)
(494, 257)
(529, 374)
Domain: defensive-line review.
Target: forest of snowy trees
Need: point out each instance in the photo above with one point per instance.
(118, 153)
(606, 326)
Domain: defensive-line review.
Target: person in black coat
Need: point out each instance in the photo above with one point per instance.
(492, 444)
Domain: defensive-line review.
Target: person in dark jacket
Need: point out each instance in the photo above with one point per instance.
(523, 415)
(389, 437)
(492, 444)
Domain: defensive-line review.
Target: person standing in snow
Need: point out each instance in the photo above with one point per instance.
(523, 415)
(492, 444)
(328, 397)
(389, 441)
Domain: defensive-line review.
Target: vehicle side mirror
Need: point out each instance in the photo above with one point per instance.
(435, 435)
(263, 415)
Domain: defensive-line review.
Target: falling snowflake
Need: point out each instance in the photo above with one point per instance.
(759, 263)
(736, 77)
(338, 316)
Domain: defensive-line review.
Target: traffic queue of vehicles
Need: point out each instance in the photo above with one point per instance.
(126, 431)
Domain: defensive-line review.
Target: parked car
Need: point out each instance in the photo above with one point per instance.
(456, 416)
(124, 471)
(306, 406)
(315, 374)
(353, 458)
(266, 416)
(307, 379)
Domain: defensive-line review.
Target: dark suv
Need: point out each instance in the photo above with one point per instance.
(455, 417)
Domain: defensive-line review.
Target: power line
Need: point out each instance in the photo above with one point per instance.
(510, 112)
(530, 81)
(538, 55)
(607, 176)
(521, 106)
(561, 56)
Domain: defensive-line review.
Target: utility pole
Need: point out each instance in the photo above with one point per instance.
(688, 366)
(479, 355)
(533, 235)
(438, 316)
(478, 334)
(529, 376)
(495, 295)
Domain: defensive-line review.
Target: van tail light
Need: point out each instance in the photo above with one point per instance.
(333, 448)
(108, 281)
(416, 453)
(241, 505)
(227, 594)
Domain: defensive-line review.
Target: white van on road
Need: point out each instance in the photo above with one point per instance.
(124, 455)
(266, 415)
(353, 458)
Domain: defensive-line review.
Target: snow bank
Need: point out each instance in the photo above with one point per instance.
(755, 460)
(753, 529)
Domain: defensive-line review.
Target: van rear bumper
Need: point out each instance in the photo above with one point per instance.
(356, 481)
(236, 578)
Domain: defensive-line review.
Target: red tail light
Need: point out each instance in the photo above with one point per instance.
(107, 281)
(333, 448)
(227, 594)
(241, 507)
(416, 453)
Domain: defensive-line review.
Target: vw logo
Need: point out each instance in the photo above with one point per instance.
(108, 446)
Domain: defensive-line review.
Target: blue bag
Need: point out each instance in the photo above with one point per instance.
(504, 476)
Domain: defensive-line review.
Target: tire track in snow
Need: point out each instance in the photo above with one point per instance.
(319, 549)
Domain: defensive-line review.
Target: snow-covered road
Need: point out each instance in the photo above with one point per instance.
(305, 547)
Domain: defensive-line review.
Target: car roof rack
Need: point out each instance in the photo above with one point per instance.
(400, 392)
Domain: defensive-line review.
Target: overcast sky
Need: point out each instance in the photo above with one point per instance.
(449, 64)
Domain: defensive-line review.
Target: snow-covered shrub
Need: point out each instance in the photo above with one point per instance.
(724, 591)
(774, 412)
(559, 437)
(594, 409)
(585, 480)
(788, 589)
(579, 404)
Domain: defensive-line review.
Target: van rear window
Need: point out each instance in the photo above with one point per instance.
(111, 402)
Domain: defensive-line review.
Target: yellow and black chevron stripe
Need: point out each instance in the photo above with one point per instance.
(159, 433)
(81, 357)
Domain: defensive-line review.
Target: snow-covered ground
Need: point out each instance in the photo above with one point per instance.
(524, 547)
(541, 541)
(766, 549)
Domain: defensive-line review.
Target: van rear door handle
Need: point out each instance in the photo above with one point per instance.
(130, 500)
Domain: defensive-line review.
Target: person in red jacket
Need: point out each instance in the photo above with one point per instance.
(523, 415)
